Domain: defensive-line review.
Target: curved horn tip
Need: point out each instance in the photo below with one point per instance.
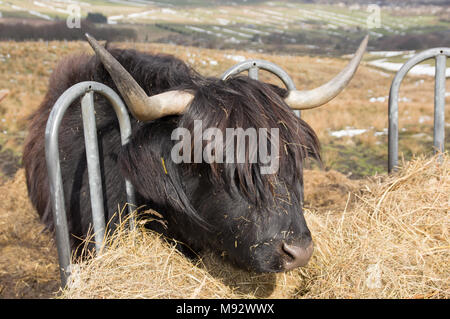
(91, 40)
(366, 38)
(362, 47)
(302, 100)
(364, 42)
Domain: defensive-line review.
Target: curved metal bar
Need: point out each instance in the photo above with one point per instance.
(260, 64)
(53, 162)
(393, 97)
(253, 67)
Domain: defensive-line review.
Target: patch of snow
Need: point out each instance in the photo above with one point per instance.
(272, 12)
(223, 21)
(383, 99)
(383, 132)
(40, 15)
(197, 29)
(350, 132)
(424, 119)
(388, 54)
(237, 58)
(409, 55)
(168, 11)
(233, 40)
(138, 4)
(17, 8)
(421, 69)
(380, 99)
(254, 31)
(404, 99)
(113, 18)
(229, 31)
(140, 14)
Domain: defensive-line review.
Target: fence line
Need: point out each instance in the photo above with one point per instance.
(440, 55)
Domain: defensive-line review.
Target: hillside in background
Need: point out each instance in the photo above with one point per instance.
(316, 27)
(408, 3)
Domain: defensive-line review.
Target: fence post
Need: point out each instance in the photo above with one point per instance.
(439, 103)
(86, 90)
(440, 55)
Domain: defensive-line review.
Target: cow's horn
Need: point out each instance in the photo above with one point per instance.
(301, 100)
(142, 106)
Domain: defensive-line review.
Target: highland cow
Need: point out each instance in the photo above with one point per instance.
(254, 219)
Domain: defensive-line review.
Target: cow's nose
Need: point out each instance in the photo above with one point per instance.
(299, 256)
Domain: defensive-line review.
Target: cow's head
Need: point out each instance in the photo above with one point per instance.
(241, 203)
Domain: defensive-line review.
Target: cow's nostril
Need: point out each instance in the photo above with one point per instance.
(288, 252)
(298, 256)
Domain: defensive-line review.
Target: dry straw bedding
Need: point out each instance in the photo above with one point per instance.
(388, 238)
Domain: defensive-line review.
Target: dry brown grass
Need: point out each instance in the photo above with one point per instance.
(398, 230)
(28, 260)
(390, 240)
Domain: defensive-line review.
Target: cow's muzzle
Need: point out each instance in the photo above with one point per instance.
(298, 256)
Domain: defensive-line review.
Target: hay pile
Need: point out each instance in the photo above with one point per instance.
(388, 240)
(394, 243)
